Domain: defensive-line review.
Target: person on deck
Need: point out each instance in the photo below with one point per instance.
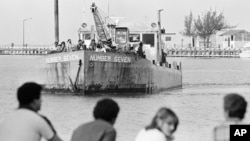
(92, 45)
(55, 46)
(235, 107)
(25, 123)
(69, 45)
(63, 47)
(103, 49)
(84, 47)
(140, 51)
(101, 129)
(99, 46)
(79, 45)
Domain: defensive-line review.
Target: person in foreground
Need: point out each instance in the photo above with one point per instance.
(101, 129)
(25, 123)
(235, 107)
(162, 127)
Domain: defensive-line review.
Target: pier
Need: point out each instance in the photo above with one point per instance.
(199, 52)
(29, 50)
(172, 52)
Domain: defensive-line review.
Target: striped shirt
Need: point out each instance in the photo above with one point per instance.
(222, 131)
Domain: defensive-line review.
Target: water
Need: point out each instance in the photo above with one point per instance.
(198, 103)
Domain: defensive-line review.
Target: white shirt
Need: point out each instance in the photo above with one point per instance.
(103, 50)
(150, 135)
(53, 47)
(24, 125)
(69, 46)
(98, 50)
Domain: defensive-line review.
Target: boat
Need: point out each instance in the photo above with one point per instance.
(119, 71)
(245, 53)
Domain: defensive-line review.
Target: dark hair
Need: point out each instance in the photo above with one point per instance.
(163, 113)
(62, 43)
(140, 44)
(28, 92)
(235, 105)
(106, 109)
(98, 45)
(56, 43)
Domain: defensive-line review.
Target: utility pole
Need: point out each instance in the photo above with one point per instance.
(56, 14)
(108, 8)
(159, 48)
(24, 30)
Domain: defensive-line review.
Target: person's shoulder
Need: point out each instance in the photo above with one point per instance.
(102, 122)
(150, 134)
(33, 117)
(102, 125)
(36, 117)
(153, 132)
(21, 117)
(221, 126)
(157, 135)
(220, 132)
(25, 113)
(95, 123)
(84, 126)
(156, 132)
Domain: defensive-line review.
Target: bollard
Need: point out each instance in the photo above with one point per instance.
(178, 67)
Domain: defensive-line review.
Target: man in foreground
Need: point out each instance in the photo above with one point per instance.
(24, 123)
(101, 129)
(235, 107)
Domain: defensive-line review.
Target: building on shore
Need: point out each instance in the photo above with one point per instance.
(224, 39)
(235, 39)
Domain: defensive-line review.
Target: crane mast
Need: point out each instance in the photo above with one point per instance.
(101, 29)
(110, 35)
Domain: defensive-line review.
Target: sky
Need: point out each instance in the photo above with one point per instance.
(72, 13)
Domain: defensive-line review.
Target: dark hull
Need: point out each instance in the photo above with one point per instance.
(95, 72)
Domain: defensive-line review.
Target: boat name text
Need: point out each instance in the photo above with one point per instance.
(106, 58)
(62, 58)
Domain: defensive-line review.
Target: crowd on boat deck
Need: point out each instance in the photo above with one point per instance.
(98, 47)
(68, 47)
(26, 123)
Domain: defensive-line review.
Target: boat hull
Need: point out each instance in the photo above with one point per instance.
(97, 72)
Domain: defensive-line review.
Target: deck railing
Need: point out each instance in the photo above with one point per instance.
(20, 50)
(200, 52)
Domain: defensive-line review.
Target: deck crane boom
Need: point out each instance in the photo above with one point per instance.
(101, 28)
